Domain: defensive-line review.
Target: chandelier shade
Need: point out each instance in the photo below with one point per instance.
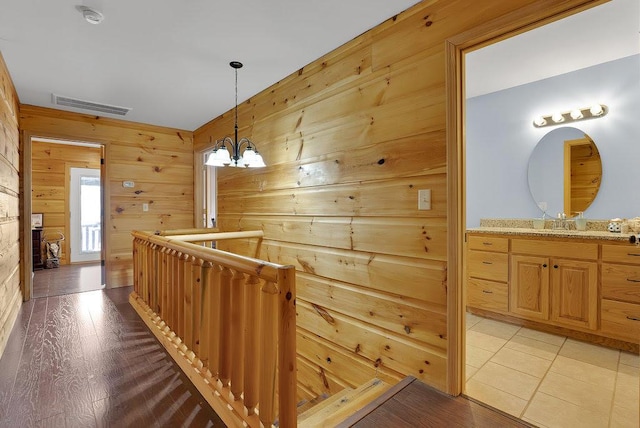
(235, 152)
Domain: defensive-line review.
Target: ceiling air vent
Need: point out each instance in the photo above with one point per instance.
(88, 105)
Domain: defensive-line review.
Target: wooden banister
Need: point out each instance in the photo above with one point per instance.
(228, 321)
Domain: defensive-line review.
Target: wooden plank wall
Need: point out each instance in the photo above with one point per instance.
(10, 294)
(159, 161)
(51, 165)
(349, 140)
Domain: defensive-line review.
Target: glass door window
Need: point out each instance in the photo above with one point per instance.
(86, 207)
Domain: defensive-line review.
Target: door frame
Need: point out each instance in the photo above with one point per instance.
(526, 18)
(26, 261)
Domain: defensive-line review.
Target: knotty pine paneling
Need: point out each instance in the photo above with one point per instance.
(158, 160)
(10, 292)
(50, 170)
(349, 140)
(417, 238)
(352, 368)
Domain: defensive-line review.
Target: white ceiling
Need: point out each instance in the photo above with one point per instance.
(601, 34)
(168, 59)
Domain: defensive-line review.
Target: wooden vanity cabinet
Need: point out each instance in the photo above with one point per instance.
(580, 286)
(620, 305)
(488, 273)
(548, 284)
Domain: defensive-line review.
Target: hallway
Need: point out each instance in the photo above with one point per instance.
(87, 360)
(66, 279)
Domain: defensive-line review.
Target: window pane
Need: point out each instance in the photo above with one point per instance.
(90, 213)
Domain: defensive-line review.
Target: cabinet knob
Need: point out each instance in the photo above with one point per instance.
(544, 265)
(629, 317)
(487, 263)
(487, 291)
(633, 280)
(555, 266)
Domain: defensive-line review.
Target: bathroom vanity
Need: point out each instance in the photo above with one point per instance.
(584, 284)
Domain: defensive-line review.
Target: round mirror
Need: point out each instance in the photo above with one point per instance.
(565, 172)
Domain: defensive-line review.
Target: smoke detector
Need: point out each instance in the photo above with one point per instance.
(92, 16)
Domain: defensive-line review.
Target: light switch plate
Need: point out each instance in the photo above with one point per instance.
(145, 207)
(128, 184)
(424, 199)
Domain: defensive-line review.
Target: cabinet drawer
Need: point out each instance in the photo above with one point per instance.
(487, 295)
(488, 265)
(536, 247)
(621, 282)
(488, 243)
(621, 320)
(621, 254)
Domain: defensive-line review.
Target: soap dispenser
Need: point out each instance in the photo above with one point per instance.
(581, 222)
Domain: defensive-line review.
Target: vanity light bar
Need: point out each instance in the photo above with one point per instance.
(592, 112)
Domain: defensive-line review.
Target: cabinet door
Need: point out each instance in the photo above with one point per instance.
(529, 287)
(574, 289)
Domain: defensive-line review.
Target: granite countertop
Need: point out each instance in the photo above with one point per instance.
(595, 229)
(576, 234)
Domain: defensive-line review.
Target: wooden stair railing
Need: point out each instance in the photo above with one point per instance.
(227, 320)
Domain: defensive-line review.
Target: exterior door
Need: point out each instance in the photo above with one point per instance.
(85, 215)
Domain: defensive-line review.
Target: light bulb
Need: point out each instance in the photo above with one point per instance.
(557, 117)
(596, 110)
(540, 121)
(576, 114)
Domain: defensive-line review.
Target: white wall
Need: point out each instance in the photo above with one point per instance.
(500, 138)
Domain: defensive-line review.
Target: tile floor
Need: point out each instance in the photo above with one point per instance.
(548, 380)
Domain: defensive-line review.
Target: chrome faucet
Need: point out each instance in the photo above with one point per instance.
(561, 222)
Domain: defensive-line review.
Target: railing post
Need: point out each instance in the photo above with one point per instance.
(201, 309)
(287, 356)
(190, 285)
(252, 344)
(173, 310)
(151, 274)
(179, 298)
(157, 286)
(225, 326)
(212, 278)
(268, 354)
(238, 325)
(136, 267)
(164, 284)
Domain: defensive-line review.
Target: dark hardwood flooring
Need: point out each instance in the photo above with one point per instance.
(67, 279)
(412, 404)
(87, 360)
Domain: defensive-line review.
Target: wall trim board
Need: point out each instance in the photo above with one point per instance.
(523, 19)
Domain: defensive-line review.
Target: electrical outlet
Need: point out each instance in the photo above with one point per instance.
(424, 199)
(128, 184)
(145, 207)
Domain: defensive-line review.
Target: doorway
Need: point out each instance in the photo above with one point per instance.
(516, 369)
(67, 193)
(85, 212)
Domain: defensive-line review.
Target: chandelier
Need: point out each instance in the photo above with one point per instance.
(230, 152)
